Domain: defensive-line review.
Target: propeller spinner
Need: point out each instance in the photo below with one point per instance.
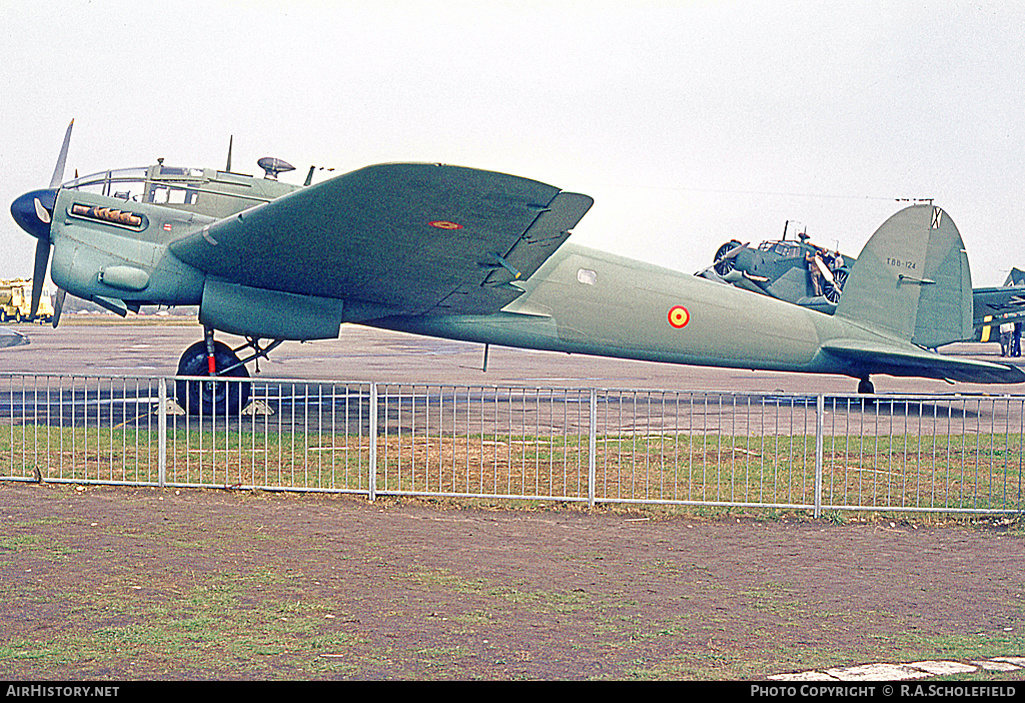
(33, 212)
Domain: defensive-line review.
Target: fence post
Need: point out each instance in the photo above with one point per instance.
(372, 468)
(162, 432)
(820, 412)
(592, 447)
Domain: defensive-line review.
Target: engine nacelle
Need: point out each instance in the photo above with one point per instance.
(268, 314)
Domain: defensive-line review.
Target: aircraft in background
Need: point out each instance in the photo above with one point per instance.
(794, 270)
(805, 274)
(472, 255)
(1002, 306)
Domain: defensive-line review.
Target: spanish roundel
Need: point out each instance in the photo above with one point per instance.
(444, 224)
(678, 316)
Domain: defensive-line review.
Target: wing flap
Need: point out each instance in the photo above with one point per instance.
(546, 234)
(498, 288)
(912, 361)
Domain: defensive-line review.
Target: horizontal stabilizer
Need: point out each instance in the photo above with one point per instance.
(912, 361)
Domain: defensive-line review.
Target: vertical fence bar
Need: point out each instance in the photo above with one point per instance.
(820, 411)
(592, 447)
(161, 433)
(372, 460)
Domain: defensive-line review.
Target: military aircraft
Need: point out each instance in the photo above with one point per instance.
(473, 255)
(805, 274)
(1001, 305)
(789, 269)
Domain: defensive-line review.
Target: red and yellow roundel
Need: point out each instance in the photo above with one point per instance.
(445, 224)
(678, 316)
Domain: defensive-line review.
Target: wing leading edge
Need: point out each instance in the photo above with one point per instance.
(411, 238)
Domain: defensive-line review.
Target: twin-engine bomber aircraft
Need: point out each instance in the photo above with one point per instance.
(471, 255)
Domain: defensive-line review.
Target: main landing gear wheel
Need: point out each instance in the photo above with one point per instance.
(211, 397)
(865, 387)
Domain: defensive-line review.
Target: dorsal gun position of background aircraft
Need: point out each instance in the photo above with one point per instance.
(473, 255)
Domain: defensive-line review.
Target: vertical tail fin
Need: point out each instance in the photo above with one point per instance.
(912, 280)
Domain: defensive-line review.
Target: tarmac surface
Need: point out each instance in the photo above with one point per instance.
(149, 346)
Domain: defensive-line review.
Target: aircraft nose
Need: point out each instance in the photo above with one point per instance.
(33, 212)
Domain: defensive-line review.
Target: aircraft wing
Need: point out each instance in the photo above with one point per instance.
(412, 238)
(912, 361)
(1003, 303)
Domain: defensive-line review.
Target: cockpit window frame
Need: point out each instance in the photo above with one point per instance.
(182, 185)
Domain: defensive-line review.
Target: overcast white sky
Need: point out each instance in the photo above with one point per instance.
(690, 123)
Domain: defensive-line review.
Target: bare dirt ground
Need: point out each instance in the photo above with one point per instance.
(138, 583)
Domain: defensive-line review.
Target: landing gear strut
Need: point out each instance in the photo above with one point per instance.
(865, 387)
(212, 358)
(211, 397)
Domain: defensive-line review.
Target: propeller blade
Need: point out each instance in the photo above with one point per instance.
(823, 269)
(39, 274)
(58, 171)
(58, 305)
(732, 253)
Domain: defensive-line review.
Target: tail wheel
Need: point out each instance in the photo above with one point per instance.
(722, 265)
(211, 397)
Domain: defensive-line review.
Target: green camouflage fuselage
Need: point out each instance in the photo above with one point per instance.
(590, 302)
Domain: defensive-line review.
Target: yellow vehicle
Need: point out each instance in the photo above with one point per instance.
(16, 301)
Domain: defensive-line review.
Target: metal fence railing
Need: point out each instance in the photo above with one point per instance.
(947, 453)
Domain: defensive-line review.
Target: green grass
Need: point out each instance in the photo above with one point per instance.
(950, 472)
(12, 544)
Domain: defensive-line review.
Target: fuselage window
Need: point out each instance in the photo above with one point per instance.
(587, 276)
(175, 196)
